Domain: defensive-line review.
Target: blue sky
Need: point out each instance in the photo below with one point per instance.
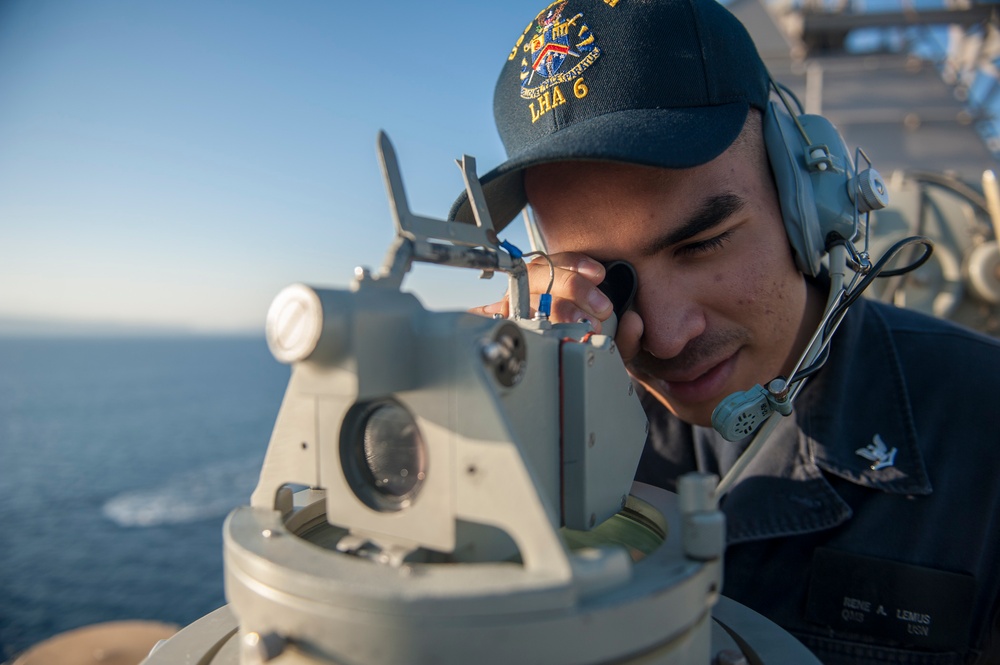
(178, 163)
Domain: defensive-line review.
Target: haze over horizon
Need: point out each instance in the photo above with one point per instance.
(174, 165)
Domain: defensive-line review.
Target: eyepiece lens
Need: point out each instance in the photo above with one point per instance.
(383, 454)
(393, 450)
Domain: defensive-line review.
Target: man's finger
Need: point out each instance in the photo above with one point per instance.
(629, 335)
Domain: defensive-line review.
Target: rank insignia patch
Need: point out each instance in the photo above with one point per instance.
(558, 51)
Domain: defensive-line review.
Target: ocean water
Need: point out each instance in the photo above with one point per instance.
(119, 460)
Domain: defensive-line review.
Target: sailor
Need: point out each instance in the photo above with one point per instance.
(869, 524)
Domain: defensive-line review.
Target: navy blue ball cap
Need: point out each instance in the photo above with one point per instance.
(663, 83)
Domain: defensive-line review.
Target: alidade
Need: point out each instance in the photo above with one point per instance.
(448, 488)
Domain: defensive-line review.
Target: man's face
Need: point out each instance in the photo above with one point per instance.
(722, 303)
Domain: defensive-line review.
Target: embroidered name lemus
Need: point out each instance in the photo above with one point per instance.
(878, 454)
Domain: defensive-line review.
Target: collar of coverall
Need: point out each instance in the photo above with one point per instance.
(783, 491)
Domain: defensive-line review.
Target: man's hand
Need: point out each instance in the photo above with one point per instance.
(575, 296)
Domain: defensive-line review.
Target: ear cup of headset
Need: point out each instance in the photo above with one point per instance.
(813, 181)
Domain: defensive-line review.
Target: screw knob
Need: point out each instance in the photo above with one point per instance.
(868, 190)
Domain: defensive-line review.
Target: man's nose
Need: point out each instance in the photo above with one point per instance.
(671, 318)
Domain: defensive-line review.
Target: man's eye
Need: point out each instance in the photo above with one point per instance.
(705, 246)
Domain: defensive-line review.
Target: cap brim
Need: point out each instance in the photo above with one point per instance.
(669, 138)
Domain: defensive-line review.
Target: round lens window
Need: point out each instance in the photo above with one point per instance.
(388, 457)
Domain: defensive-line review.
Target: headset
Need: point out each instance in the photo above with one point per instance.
(821, 192)
(825, 199)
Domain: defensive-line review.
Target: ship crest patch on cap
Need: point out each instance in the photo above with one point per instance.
(558, 51)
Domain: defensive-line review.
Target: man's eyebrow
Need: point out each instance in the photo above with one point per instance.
(712, 212)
